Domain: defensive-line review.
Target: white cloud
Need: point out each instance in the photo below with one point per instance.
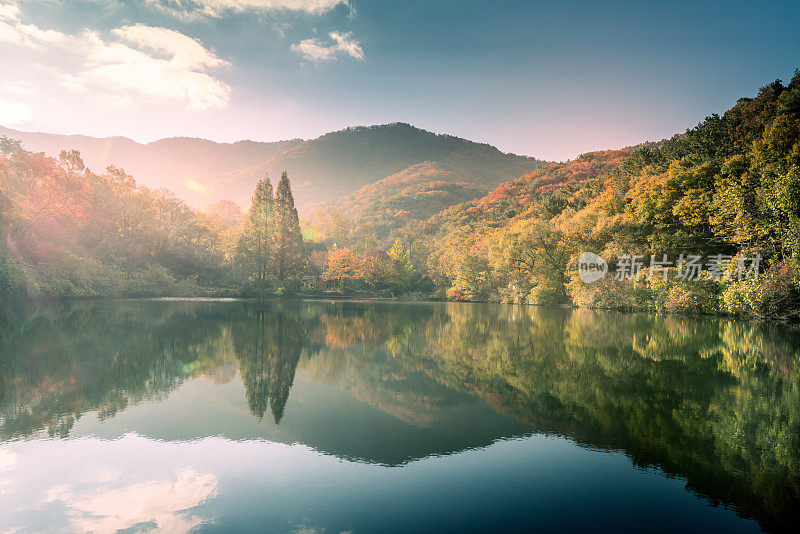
(13, 113)
(345, 44)
(218, 8)
(165, 502)
(154, 62)
(178, 77)
(315, 50)
(15, 88)
(12, 30)
(9, 11)
(181, 48)
(144, 61)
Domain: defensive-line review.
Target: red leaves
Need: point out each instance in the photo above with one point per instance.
(548, 179)
(49, 193)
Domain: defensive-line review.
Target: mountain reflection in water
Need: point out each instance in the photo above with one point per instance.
(713, 402)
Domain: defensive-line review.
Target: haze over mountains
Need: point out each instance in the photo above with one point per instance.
(332, 166)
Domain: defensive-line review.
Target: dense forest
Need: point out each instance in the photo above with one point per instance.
(726, 191)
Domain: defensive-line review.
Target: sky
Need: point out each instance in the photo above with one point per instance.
(544, 79)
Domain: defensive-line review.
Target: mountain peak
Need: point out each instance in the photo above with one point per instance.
(333, 165)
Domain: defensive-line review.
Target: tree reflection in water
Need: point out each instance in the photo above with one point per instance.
(716, 402)
(268, 341)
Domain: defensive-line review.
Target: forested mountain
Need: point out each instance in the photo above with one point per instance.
(342, 162)
(726, 191)
(426, 197)
(400, 202)
(410, 218)
(336, 164)
(517, 198)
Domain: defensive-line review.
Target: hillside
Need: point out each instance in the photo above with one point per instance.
(426, 199)
(517, 198)
(180, 164)
(336, 164)
(342, 162)
(377, 211)
(725, 190)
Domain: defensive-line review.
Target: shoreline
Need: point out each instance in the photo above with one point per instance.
(398, 300)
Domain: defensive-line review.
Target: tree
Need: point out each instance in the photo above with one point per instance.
(289, 253)
(473, 279)
(45, 190)
(333, 226)
(256, 245)
(400, 270)
(5, 218)
(535, 257)
(226, 211)
(373, 268)
(341, 265)
(758, 199)
(77, 233)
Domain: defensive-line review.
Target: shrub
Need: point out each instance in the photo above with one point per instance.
(655, 294)
(154, 280)
(547, 294)
(188, 287)
(775, 296)
(609, 293)
(691, 297)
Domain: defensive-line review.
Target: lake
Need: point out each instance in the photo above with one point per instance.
(311, 416)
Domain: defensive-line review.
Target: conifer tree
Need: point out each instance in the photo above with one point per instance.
(5, 222)
(257, 244)
(289, 253)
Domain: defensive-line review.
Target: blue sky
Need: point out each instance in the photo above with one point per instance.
(550, 80)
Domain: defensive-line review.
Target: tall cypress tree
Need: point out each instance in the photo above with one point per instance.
(289, 253)
(257, 244)
(5, 222)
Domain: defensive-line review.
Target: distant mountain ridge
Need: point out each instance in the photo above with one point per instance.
(332, 166)
(179, 163)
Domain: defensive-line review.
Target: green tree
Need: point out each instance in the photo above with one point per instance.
(473, 279)
(400, 269)
(374, 268)
(5, 221)
(257, 244)
(289, 254)
(5, 217)
(541, 252)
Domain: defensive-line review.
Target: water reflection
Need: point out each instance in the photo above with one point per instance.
(267, 342)
(714, 402)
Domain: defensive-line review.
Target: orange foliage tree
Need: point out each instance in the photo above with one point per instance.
(341, 265)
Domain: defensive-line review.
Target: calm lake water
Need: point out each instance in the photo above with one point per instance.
(393, 417)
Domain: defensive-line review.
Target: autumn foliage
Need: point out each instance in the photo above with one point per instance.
(440, 228)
